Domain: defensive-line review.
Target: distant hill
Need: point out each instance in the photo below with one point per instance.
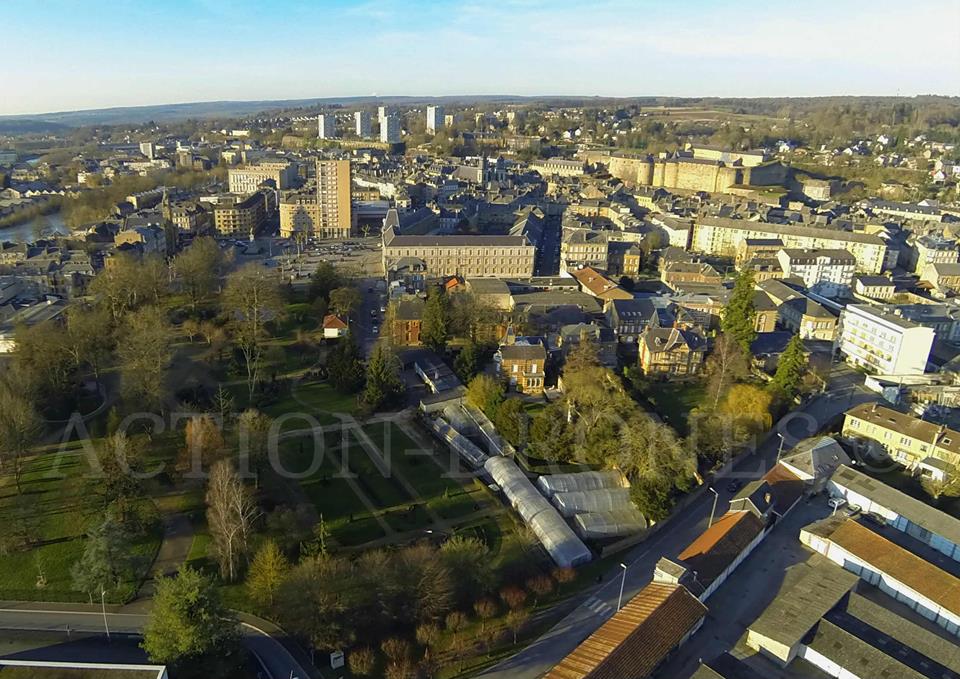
(14, 126)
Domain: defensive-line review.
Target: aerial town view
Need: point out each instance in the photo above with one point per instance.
(529, 339)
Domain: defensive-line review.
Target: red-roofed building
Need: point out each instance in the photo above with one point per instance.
(334, 327)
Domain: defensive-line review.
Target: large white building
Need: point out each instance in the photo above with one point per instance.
(883, 342)
(361, 120)
(390, 128)
(828, 273)
(326, 126)
(722, 236)
(247, 179)
(434, 118)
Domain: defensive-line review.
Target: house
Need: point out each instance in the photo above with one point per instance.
(675, 273)
(600, 336)
(874, 287)
(594, 283)
(630, 317)
(814, 460)
(523, 366)
(808, 318)
(672, 351)
(334, 327)
(406, 322)
(828, 273)
(911, 441)
(772, 495)
(943, 276)
(638, 638)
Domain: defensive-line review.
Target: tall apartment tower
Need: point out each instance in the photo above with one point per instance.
(326, 126)
(390, 129)
(382, 112)
(362, 121)
(434, 118)
(333, 199)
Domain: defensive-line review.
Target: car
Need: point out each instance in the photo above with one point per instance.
(375, 330)
(383, 310)
(734, 486)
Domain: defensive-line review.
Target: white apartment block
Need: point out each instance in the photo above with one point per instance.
(828, 273)
(883, 342)
(326, 126)
(721, 236)
(390, 129)
(558, 166)
(361, 120)
(246, 180)
(435, 118)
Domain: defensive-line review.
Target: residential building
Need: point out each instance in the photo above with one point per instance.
(389, 128)
(915, 443)
(629, 318)
(638, 638)
(406, 322)
(334, 327)
(597, 285)
(922, 213)
(932, 592)
(672, 352)
(828, 273)
(549, 167)
(883, 342)
(522, 366)
(722, 236)
(584, 248)
(247, 179)
(944, 277)
(361, 121)
(874, 287)
(464, 256)
(435, 119)
(766, 312)
(326, 126)
(327, 213)
(242, 215)
(753, 248)
(808, 318)
(931, 249)
(678, 273)
(937, 530)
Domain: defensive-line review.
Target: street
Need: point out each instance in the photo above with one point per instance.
(600, 603)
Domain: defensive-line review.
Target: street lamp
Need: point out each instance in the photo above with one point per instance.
(780, 448)
(716, 496)
(622, 582)
(103, 607)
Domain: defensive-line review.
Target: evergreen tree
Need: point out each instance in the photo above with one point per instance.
(383, 378)
(435, 328)
(105, 562)
(468, 362)
(344, 366)
(739, 316)
(791, 369)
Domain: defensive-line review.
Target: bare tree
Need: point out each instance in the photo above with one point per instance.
(231, 513)
(19, 427)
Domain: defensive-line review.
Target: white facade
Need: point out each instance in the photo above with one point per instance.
(883, 342)
(434, 118)
(361, 120)
(326, 126)
(828, 273)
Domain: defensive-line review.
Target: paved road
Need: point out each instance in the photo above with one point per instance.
(600, 603)
(81, 619)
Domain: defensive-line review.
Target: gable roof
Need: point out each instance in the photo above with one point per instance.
(333, 322)
(719, 545)
(638, 637)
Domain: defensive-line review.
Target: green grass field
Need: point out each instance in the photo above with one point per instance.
(673, 402)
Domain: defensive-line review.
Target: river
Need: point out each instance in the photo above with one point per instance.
(50, 225)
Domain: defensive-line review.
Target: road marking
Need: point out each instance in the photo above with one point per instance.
(41, 612)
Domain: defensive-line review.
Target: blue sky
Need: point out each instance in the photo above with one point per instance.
(75, 54)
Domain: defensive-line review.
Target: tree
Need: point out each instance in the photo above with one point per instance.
(791, 369)
(89, 337)
(106, 560)
(252, 298)
(512, 421)
(739, 317)
(253, 428)
(435, 326)
(484, 393)
(748, 407)
(383, 385)
(399, 664)
(948, 486)
(344, 366)
(485, 609)
(515, 620)
(652, 497)
(188, 624)
(344, 301)
(726, 364)
(198, 269)
(118, 483)
(650, 450)
(129, 283)
(324, 281)
(456, 623)
(362, 662)
(20, 426)
(43, 358)
(467, 558)
(540, 585)
(267, 571)
(514, 597)
(144, 352)
(468, 362)
(551, 438)
(203, 443)
(231, 512)
(315, 600)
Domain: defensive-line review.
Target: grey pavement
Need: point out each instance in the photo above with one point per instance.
(601, 602)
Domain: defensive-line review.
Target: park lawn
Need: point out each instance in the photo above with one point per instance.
(384, 491)
(673, 401)
(57, 501)
(326, 401)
